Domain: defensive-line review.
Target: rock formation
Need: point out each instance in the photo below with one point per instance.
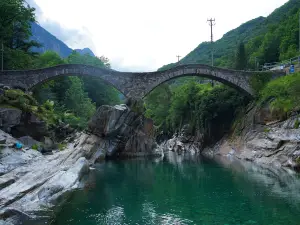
(263, 137)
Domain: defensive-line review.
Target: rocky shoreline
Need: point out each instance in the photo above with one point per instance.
(32, 185)
(263, 141)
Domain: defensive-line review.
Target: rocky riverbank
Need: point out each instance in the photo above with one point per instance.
(264, 138)
(261, 136)
(33, 184)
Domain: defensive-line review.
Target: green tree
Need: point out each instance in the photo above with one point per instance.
(47, 59)
(100, 92)
(16, 17)
(78, 101)
(241, 57)
(157, 105)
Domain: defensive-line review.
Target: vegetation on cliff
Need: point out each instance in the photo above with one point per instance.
(206, 109)
(282, 93)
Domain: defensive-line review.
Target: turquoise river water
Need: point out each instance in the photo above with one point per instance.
(184, 190)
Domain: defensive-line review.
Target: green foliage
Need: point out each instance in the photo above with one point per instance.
(259, 80)
(267, 130)
(35, 147)
(18, 99)
(269, 39)
(206, 109)
(16, 17)
(73, 96)
(157, 105)
(240, 57)
(100, 92)
(78, 101)
(283, 92)
(61, 146)
(297, 123)
(48, 59)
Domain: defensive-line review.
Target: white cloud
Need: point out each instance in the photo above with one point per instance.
(146, 34)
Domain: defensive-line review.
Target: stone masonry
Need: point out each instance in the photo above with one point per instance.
(130, 84)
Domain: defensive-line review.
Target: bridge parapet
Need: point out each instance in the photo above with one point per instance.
(130, 84)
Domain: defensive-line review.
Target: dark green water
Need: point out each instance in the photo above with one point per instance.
(183, 191)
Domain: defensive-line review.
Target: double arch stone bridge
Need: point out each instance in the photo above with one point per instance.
(131, 84)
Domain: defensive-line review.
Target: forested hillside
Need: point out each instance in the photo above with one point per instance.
(269, 39)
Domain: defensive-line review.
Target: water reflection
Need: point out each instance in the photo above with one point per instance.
(180, 189)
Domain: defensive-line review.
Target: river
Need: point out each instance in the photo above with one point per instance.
(184, 190)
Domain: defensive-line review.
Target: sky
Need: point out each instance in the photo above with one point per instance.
(143, 35)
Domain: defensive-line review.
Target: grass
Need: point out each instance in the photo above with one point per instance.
(62, 146)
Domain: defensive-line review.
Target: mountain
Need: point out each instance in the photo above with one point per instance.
(85, 51)
(51, 43)
(267, 39)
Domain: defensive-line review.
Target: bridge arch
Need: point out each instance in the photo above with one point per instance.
(128, 83)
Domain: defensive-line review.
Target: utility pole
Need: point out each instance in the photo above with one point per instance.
(178, 57)
(299, 32)
(211, 22)
(2, 61)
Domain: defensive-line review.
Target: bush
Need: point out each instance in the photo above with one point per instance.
(61, 146)
(259, 80)
(284, 93)
(35, 147)
(296, 125)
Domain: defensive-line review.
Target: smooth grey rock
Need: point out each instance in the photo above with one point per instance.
(32, 184)
(276, 144)
(28, 141)
(9, 117)
(123, 131)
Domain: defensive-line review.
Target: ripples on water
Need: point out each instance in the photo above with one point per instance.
(184, 190)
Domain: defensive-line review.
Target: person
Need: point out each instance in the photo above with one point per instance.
(18, 145)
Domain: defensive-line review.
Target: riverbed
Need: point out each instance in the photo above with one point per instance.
(184, 190)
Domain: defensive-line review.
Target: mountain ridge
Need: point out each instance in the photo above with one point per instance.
(50, 42)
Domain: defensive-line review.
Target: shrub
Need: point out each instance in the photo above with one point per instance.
(35, 147)
(284, 92)
(296, 125)
(259, 80)
(61, 146)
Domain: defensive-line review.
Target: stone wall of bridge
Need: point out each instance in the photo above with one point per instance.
(130, 84)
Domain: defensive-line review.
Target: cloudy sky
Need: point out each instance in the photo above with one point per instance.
(143, 35)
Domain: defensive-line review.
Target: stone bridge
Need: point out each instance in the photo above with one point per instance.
(130, 84)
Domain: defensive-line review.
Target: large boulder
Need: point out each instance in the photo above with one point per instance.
(125, 131)
(20, 124)
(32, 184)
(9, 117)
